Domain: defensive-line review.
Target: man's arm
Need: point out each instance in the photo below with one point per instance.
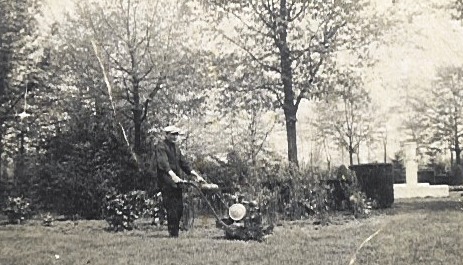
(187, 168)
(163, 164)
(184, 165)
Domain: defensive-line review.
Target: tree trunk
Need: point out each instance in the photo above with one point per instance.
(457, 145)
(290, 109)
(137, 113)
(137, 129)
(1, 154)
(358, 155)
(19, 163)
(351, 155)
(291, 137)
(385, 151)
(457, 154)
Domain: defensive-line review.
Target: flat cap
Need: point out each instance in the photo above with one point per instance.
(172, 129)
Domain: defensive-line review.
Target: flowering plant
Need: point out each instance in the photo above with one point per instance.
(361, 206)
(47, 219)
(121, 210)
(17, 210)
(156, 210)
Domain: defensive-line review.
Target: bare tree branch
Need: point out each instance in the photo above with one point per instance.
(304, 7)
(263, 65)
(151, 96)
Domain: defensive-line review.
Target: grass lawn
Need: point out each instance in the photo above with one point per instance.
(416, 231)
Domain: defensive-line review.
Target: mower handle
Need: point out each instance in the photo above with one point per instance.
(198, 188)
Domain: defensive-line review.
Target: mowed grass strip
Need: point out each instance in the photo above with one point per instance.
(294, 243)
(419, 231)
(427, 231)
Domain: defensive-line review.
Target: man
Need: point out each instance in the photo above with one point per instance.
(170, 164)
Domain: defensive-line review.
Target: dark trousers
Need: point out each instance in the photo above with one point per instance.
(173, 203)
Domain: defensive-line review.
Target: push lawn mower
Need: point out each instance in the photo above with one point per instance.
(244, 220)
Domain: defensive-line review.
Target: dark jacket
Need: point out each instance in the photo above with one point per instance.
(169, 157)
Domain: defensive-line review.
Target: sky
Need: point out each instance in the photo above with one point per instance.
(427, 39)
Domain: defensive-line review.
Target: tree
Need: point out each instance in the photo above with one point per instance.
(251, 125)
(457, 8)
(167, 83)
(414, 125)
(294, 43)
(20, 58)
(441, 110)
(128, 34)
(143, 49)
(251, 112)
(347, 116)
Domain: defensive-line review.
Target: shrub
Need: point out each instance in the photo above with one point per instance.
(315, 201)
(156, 210)
(76, 173)
(47, 219)
(426, 176)
(304, 192)
(398, 167)
(228, 173)
(332, 191)
(121, 210)
(17, 210)
(456, 175)
(284, 190)
(361, 206)
(5, 191)
(376, 180)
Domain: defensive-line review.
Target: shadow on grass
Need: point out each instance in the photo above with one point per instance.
(160, 232)
(424, 204)
(184, 235)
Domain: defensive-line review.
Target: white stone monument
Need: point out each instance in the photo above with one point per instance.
(411, 188)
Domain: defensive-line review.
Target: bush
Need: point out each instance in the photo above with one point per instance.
(47, 219)
(376, 180)
(457, 175)
(285, 191)
(79, 169)
(398, 167)
(156, 210)
(426, 176)
(5, 191)
(332, 191)
(17, 210)
(229, 173)
(361, 205)
(121, 210)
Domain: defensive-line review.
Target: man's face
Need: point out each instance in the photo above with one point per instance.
(172, 137)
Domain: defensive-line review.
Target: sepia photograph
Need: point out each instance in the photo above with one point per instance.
(323, 132)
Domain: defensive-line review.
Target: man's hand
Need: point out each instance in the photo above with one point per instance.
(198, 177)
(177, 179)
(174, 177)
